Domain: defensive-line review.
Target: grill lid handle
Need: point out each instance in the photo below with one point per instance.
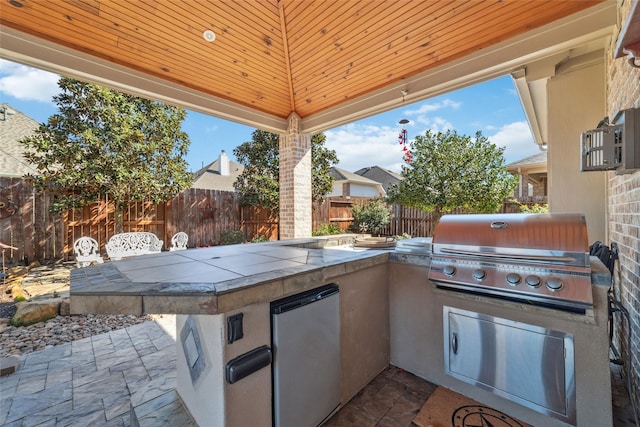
(518, 257)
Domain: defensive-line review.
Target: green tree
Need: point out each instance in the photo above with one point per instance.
(449, 171)
(259, 183)
(104, 142)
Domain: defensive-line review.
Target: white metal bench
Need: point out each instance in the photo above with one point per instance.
(179, 241)
(87, 252)
(123, 245)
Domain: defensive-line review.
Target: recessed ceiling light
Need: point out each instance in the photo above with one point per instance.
(209, 35)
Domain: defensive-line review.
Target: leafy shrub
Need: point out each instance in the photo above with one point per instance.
(370, 218)
(232, 237)
(537, 208)
(259, 239)
(327, 230)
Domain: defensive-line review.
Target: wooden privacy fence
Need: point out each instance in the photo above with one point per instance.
(402, 219)
(26, 224)
(335, 211)
(411, 221)
(98, 221)
(25, 221)
(205, 215)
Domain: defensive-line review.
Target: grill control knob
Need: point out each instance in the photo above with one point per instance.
(479, 274)
(533, 281)
(554, 284)
(513, 278)
(449, 270)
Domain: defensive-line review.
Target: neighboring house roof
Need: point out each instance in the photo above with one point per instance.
(14, 126)
(385, 177)
(532, 178)
(341, 176)
(537, 162)
(216, 176)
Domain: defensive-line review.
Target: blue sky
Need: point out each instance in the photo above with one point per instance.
(492, 107)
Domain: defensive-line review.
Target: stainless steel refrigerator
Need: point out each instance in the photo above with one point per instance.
(306, 366)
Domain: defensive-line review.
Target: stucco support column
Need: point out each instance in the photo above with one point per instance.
(295, 182)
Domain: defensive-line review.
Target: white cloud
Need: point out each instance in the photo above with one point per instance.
(362, 145)
(512, 91)
(431, 107)
(212, 128)
(26, 83)
(517, 139)
(422, 115)
(439, 124)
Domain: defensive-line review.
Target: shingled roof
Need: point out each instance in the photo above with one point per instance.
(14, 126)
(539, 159)
(385, 177)
(212, 177)
(342, 176)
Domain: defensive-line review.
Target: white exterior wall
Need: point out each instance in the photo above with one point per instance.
(357, 190)
(204, 399)
(576, 103)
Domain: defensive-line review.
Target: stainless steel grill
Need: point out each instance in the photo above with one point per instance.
(537, 258)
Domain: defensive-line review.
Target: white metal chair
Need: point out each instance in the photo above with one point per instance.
(87, 252)
(179, 241)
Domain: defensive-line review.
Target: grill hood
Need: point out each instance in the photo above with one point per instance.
(532, 238)
(540, 259)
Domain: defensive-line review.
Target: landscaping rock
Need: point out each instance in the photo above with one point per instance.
(49, 286)
(18, 271)
(8, 365)
(4, 325)
(65, 307)
(47, 280)
(14, 289)
(30, 312)
(16, 341)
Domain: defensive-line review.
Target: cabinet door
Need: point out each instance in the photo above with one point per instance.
(527, 364)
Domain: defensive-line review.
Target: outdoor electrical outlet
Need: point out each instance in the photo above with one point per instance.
(234, 328)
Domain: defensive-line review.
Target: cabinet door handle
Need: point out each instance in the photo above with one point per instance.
(454, 343)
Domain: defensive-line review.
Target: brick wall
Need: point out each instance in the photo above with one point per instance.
(295, 182)
(623, 91)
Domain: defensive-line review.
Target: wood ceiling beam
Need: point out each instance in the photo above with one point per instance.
(287, 58)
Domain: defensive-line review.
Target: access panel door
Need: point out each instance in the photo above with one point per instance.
(527, 364)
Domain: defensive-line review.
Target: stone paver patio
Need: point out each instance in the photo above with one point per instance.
(93, 381)
(127, 378)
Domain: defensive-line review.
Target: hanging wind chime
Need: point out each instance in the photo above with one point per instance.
(402, 140)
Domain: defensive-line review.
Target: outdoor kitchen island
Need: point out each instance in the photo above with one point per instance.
(389, 314)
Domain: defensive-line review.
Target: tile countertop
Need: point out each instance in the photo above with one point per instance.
(214, 280)
(220, 279)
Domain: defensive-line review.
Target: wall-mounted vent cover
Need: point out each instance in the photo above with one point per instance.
(613, 145)
(601, 148)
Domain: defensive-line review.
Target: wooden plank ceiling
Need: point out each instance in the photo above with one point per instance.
(278, 57)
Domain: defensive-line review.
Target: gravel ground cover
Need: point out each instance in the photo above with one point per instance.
(61, 329)
(49, 280)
